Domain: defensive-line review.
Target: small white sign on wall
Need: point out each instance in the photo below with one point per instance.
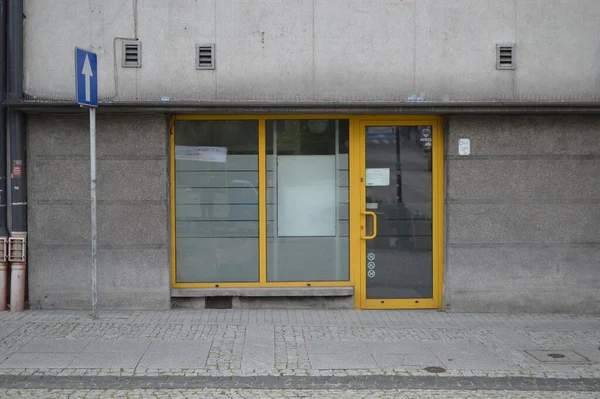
(464, 147)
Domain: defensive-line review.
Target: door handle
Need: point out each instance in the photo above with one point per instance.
(374, 233)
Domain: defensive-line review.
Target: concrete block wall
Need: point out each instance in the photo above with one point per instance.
(133, 228)
(522, 214)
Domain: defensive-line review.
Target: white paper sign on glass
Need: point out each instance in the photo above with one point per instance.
(306, 196)
(200, 153)
(464, 147)
(378, 176)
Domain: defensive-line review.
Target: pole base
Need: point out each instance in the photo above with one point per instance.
(17, 287)
(3, 285)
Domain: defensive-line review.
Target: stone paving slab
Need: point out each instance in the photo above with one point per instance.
(118, 346)
(44, 360)
(55, 345)
(419, 361)
(293, 342)
(88, 360)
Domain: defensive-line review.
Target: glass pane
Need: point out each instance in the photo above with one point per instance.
(398, 180)
(216, 201)
(307, 200)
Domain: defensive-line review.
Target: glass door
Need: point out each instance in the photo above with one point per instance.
(401, 200)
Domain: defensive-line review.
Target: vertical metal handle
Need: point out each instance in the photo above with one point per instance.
(374, 233)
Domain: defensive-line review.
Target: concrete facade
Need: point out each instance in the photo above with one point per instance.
(522, 214)
(133, 239)
(319, 50)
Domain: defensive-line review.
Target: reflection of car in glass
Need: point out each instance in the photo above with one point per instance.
(252, 193)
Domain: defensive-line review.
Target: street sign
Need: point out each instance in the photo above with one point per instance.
(86, 88)
(86, 77)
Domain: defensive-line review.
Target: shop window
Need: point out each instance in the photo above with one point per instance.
(307, 200)
(216, 201)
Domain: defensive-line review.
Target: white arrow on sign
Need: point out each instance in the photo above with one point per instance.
(87, 71)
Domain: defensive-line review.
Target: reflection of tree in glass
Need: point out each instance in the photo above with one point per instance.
(238, 136)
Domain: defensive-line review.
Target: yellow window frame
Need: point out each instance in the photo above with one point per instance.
(262, 202)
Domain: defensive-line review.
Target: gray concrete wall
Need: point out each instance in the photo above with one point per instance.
(133, 239)
(523, 231)
(319, 50)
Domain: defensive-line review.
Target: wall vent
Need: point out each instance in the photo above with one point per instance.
(131, 56)
(505, 56)
(205, 56)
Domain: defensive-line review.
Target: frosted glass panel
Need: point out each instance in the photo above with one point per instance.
(216, 201)
(306, 195)
(213, 259)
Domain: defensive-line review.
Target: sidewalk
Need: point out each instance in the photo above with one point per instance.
(353, 349)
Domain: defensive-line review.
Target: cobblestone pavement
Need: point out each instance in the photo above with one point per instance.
(309, 343)
(287, 394)
(369, 382)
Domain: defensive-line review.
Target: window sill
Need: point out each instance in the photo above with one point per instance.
(262, 292)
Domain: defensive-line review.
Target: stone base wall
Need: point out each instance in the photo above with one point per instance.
(133, 228)
(523, 214)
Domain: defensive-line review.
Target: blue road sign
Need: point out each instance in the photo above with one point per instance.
(86, 77)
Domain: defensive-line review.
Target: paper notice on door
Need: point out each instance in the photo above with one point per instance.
(378, 176)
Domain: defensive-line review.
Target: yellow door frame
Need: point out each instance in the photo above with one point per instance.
(358, 197)
(356, 207)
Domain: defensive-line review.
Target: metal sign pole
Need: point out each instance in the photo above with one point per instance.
(86, 90)
(93, 192)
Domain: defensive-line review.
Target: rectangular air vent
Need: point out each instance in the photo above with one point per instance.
(505, 56)
(131, 56)
(205, 56)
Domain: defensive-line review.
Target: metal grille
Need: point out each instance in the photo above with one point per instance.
(16, 249)
(505, 56)
(205, 56)
(3, 249)
(132, 54)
